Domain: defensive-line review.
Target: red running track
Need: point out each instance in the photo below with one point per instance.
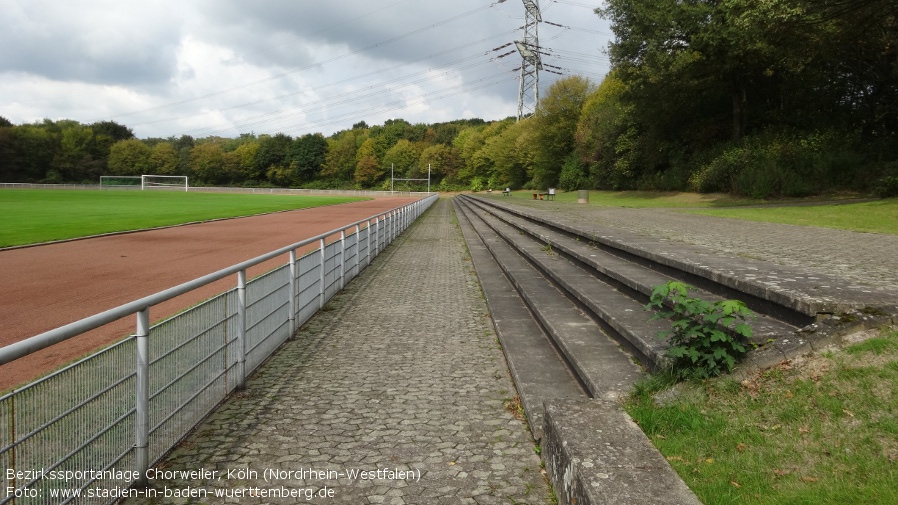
(48, 286)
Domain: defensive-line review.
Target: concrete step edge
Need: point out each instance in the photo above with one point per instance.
(595, 454)
(637, 333)
(597, 359)
(636, 277)
(537, 371)
(833, 301)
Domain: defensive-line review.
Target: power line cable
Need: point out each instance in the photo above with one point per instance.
(343, 81)
(576, 4)
(323, 30)
(400, 104)
(341, 99)
(306, 67)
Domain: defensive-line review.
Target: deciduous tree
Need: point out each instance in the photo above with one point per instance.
(273, 152)
(403, 158)
(307, 155)
(555, 121)
(74, 159)
(367, 170)
(129, 157)
(207, 163)
(342, 154)
(443, 162)
(245, 156)
(164, 159)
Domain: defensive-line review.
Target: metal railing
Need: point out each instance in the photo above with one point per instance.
(90, 431)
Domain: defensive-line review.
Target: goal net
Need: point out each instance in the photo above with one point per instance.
(177, 182)
(120, 182)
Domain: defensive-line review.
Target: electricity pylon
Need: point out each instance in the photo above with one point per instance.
(530, 60)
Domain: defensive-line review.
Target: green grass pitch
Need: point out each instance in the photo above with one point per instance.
(35, 216)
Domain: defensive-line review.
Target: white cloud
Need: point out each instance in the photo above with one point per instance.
(224, 67)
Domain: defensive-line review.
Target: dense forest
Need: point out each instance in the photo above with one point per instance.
(759, 98)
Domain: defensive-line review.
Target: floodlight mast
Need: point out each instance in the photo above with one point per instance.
(530, 60)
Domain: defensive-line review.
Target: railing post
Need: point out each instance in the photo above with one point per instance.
(241, 330)
(292, 292)
(142, 397)
(368, 250)
(377, 236)
(321, 289)
(358, 230)
(342, 257)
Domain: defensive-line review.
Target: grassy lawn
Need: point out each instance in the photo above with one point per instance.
(34, 216)
(639, 198)
(880, 216)
(820, 431)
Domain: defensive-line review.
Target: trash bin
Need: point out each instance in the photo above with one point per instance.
(582, 196)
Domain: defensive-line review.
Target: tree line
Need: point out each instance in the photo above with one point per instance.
(759, 98)
(462, 154)
(772, 97)
(361, 157)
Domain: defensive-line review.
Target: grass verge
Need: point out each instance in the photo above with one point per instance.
(640, 199)
(880, 216)
(34, 216)
(822, 430)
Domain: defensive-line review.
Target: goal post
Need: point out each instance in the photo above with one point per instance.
(175, 182)
(120, 182)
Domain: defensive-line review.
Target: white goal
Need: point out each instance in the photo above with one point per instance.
(164, 182)
(120, 182)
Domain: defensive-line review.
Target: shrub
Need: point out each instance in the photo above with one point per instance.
(675, 178)
(887, 185)
(572, 176)
(706, 339)
(718, 174)
(476, 184)
(779, 163)
(769, 178)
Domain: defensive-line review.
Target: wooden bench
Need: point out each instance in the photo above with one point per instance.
(548, 195)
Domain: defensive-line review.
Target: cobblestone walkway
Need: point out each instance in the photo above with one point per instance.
(401, 377)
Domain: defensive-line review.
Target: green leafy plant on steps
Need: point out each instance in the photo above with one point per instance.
(706, 339)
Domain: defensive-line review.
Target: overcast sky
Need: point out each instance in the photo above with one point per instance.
(224, 67)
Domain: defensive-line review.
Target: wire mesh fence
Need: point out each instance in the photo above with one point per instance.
(90, 431)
